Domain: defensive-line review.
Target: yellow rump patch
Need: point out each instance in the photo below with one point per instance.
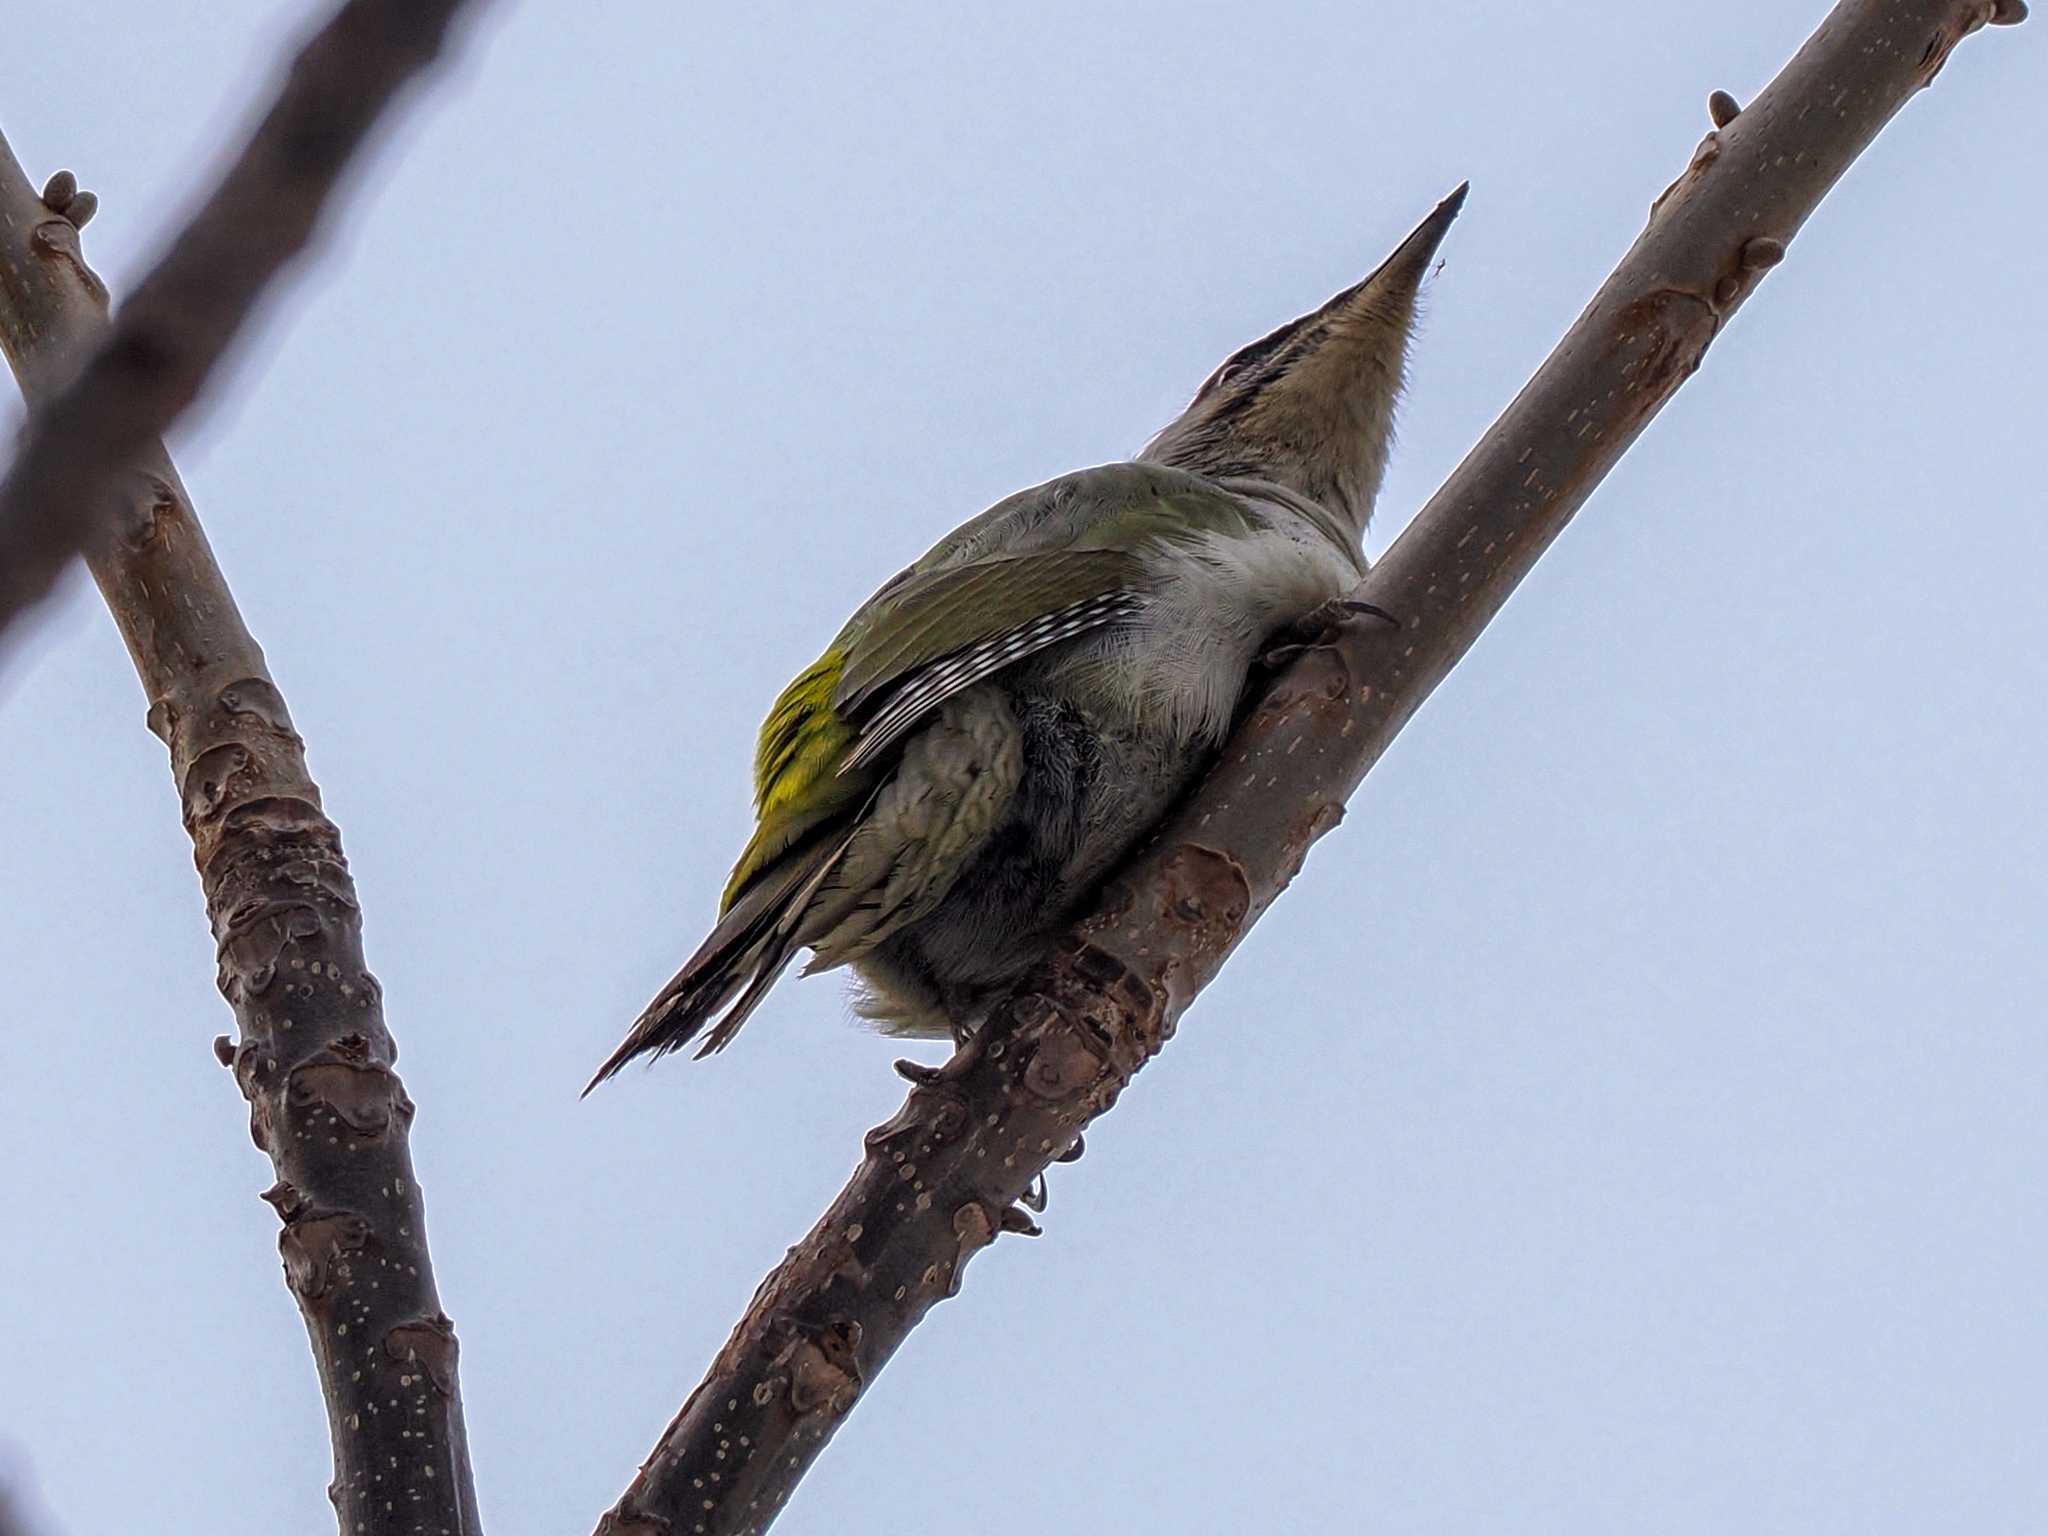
(803, 741)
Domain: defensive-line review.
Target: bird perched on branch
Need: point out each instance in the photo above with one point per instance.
(1003, 721)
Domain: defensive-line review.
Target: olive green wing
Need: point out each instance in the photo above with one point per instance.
(951, 629)
(953, 619)
(910, 649)
(1033, 571)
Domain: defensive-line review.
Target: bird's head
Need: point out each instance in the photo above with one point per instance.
(1311, 406)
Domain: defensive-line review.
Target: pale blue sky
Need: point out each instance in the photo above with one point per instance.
(1632, 1121)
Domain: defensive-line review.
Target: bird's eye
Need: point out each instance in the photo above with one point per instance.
(1246, 360)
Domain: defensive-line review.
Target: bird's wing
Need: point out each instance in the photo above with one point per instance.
(953, 619)
(1037, 569)
(959, 626)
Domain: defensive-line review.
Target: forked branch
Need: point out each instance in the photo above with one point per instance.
(314, 1059)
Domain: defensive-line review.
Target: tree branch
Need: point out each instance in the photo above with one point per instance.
(12, 1521)
(939, 1180)
(315, 1061)
(57, 496)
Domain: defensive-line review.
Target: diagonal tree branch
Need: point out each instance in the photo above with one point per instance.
(58, 494)
(315, 1061)
(939, 1180)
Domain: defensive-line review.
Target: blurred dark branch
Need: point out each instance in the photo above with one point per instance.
(62, 492)
(314, 1059)
(12, 1521)
(942, 1178)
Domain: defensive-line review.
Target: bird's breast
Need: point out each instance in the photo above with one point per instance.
(1177, 669)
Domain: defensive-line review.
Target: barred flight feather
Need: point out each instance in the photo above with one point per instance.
(932, 685)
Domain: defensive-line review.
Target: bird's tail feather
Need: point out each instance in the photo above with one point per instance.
(750, 948)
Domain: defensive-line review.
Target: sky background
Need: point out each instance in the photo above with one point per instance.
(1633, 1119)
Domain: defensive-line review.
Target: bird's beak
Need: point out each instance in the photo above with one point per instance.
(1400, 275)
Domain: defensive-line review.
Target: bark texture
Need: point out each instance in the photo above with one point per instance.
(63, 485)
(314, 1061)
(940, 1180)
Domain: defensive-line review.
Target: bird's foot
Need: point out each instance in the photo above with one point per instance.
(1321, 627)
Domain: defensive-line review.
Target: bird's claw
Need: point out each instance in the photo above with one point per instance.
(1034, 1195)
(1321, 628)
(1358, 610)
